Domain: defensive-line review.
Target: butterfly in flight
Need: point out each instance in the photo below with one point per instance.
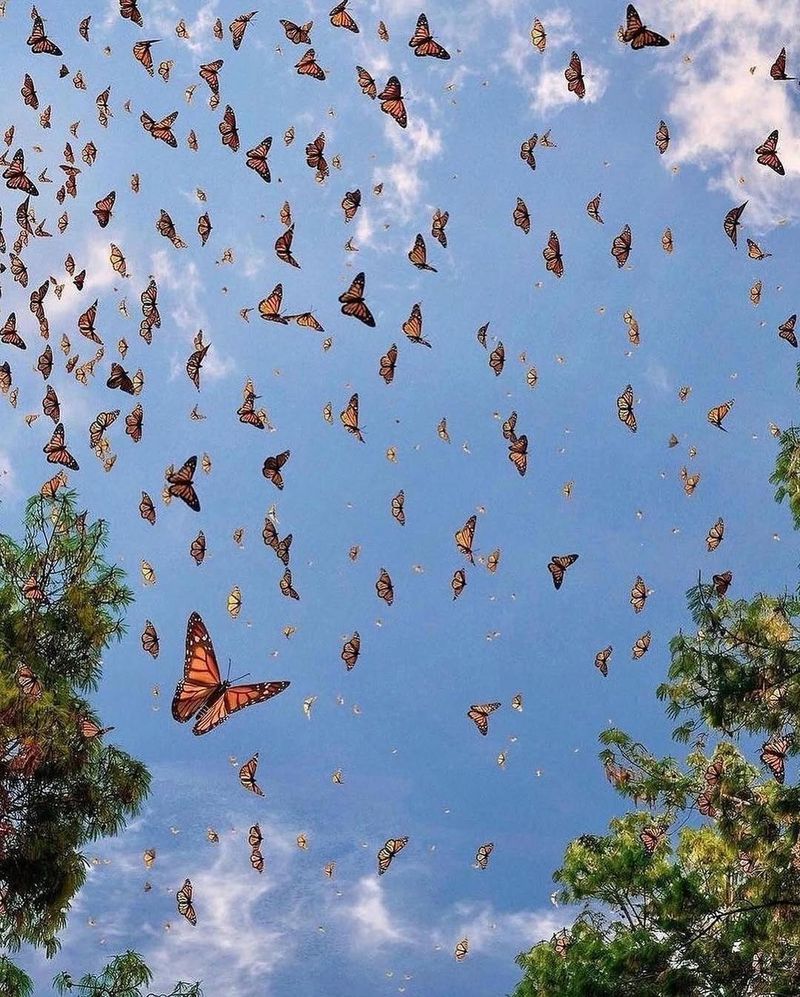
(638, 35)
(558, 567)
(202, 692)
(181, 484)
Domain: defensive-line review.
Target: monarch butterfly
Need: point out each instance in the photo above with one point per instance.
(103, 110)
(50, 405)
(29, 683)
(621, 246)
(509, 427)
(272, 468)
(350, 204)
(558, 567)
(755, 252)
(461, 950)
(146, 509)
(526, 151)
(149, 639)
(778, 68)
(201, 690)
(166, 227)
(538, 35)
(391, 98)
(148, 573)
(204, 228)
(398, 507)
(351, 650)
(283, 247)
(387, 364)
(353, 304)
(786, 331)
(641, 645)
(715, 535)
(652, 836)
(465, 537)
(257, 159)
(602, 658)
(180, 484)
(593, 209)
(625, 412)
(234, 602)
(191, 140)
(133, 423)
(482, 854)
(141, 52)
(307, 66)
(722, 583)
(209, 73)
(518, 454)
(773, 755)
(39, 43)
(690, 481)
(286, 586)
(493, 561)
(366, 82)
(195, 364)
(638, 34)
(574, 76)
(88, 153)
(117, 261)
(552, 256)
(184, 901)
(639, 594)
(412, 327)
(298, 34)
(349, 418)
(341, 18)
(247, 776)
(315, 158)
(238, 26)
(228, 129)
(15, 176)
(269, 307)
(89, 729)
(666, 241)
(57, 452)
(662, 137)
(29, 95)
(384, 587)
(458, 582)
(423, 42)
(160, 129)
(383, 32)
(254, 839)
(522, 218)
(767, 153)
(9, 334)
(497, 359)
(99, 425)
(197, 548)
(479, 714)
(441, 431)
(418, 255)
(717, 414)
(390, 848)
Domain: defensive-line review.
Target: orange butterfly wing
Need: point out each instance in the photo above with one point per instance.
(201, 679)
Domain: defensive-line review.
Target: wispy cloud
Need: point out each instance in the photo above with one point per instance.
(403, 179)
(372, 923)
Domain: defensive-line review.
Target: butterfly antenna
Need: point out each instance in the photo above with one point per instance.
(239, 678)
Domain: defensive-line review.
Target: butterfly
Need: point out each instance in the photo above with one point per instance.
(601, 660)
(755, 252)
(209, 73)
(558, 567)
(350, 204)
(119, 378)
(518, 453)
(773, 755)
(662, 137)
(28, 92)
(482, 854)
(366, 82)
(349, 418)
(384, 587)
(286, 586)
(387, 364)
(103, 208)
(184, 901)
(458, 582)
(141, 52)
(166, 227)
(538, 35)
(438, 223)
(89, 729)
(493, 561)
(50, 405)
(666, 241)
(307, 66)
(201, 690)
(181, 484)
(56, 450)
(398, 507)
(526, 151)
(418, 255)
(9, 334)
(412, 327)
(552, 256)
(641, 645)
(204, 228)
(651, 837)
(385, 855)
(391, 98)
(129, 10)
(786, 331)
(717, 414)
(298, 34)
(340, 18)
(465, 537)
(479, 714)
(283, 247)
(315, 158)
(238, 26)
(778, 68)
(639, 594)
(767, 154)
(593, 209)
(522, 218)
(621, 246)
(272, 468)
(625, 412)
(160, 129)
(715, 535)
(149, 640)
(638, 34)
(15, 176)
(423, 42)
(722, 583)
(353, 304)
(254, 839)
(100, 425)
(133, 423)
(497, 359)
(38, 41)
(247, 776)
(461, 950)
(690, 481)
(351, 650)
(228, 129)
(197, 548)
(574, 76)
(269, 308)
(146, 509)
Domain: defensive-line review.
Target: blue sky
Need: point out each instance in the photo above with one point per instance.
(412, 762)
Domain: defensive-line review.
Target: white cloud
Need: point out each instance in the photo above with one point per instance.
(373, 924)
(418, 144)
(718, 112)
(165, 14)
(549, 92)
(498, 933)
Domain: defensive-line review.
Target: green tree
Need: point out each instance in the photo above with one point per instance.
(125, 976)
(696, 890)
(61, 785)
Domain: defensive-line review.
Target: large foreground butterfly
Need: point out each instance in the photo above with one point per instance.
(638, 34)
(202, 692)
